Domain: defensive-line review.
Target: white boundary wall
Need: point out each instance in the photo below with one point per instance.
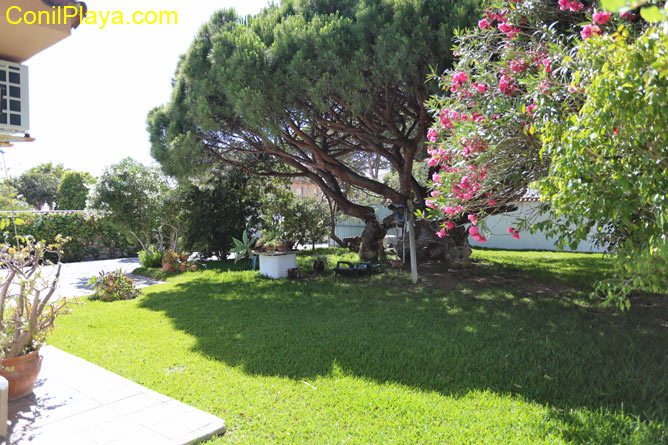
(499, 238)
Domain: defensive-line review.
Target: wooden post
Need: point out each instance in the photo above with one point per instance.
(411, 237)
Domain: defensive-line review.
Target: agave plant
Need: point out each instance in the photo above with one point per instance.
(243, 247)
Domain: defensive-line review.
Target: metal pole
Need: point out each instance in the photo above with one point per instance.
(411, 237)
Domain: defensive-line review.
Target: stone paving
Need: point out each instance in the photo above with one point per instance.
(74, 277)
(76, 402)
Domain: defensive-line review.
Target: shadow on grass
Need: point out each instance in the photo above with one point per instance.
(547, 350)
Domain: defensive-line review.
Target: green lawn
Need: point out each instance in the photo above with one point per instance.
(326, 360)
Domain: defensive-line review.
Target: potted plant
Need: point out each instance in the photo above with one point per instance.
(27, 313)
(270, 246)
(282, 245)
(243, 247)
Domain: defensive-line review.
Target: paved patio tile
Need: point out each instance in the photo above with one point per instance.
(76, 402)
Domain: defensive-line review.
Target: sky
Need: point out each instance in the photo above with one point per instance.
(90, 93)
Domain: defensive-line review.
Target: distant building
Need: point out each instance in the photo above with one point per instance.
(26, 28)
(304, 187)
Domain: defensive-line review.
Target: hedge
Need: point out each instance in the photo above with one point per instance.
(92, 238)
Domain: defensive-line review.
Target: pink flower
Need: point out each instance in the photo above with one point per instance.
(458, 209)
(492, 202)
(473, 219)
(432, 162)
(516, 235)
(432, 134)
(589, 30)
(483, 239)
(543, 87)
(511, 230)
(481, 87)
(576, 6)
(628, 16)
(615, 131)
(441, 233)
(449, 210)
(473, 230)
(484, 24)
(436, 178)
(449, 225)
(509, 30)
(506, 85)
(564, 4)
(601, 17)
(460, 78)
(547, 63)
(517, 66)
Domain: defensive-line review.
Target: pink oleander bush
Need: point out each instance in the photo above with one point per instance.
(520, 72)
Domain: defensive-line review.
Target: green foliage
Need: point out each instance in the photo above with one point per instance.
(656, 11)
(150, 258)
(90, 237)
(610, 162)
(382, 362)
(73, 190)
(113, 286)
(217, 206)
(307, 221)
(138, 201)
(243, 248)
(308, 88)
(9, 200)
(39, 185)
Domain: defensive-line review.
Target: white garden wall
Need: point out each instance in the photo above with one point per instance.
(499, 238)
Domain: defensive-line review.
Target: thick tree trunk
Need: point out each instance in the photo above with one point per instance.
(372, 240)
(453, 250)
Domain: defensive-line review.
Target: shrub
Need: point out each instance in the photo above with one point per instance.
(90, 237)
(177, 261)
(114, 286)
(150, 258)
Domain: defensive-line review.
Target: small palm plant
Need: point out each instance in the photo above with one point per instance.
(243, 247)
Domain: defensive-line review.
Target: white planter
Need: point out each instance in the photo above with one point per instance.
(276, 265)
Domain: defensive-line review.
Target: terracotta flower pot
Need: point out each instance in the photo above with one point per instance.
(21, 373)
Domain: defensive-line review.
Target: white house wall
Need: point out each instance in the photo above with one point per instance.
(499, 238)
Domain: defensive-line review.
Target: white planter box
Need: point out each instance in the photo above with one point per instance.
(276, 265)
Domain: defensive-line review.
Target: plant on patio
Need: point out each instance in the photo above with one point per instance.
(27, 313)
(113, 286)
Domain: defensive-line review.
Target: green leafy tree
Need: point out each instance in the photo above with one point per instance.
(140, 203)
(538, 99)
(305, 89)
(39, 185)
(609, 167)
(9, 200)
(307, 221)
(216, 207)
(73, 190)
